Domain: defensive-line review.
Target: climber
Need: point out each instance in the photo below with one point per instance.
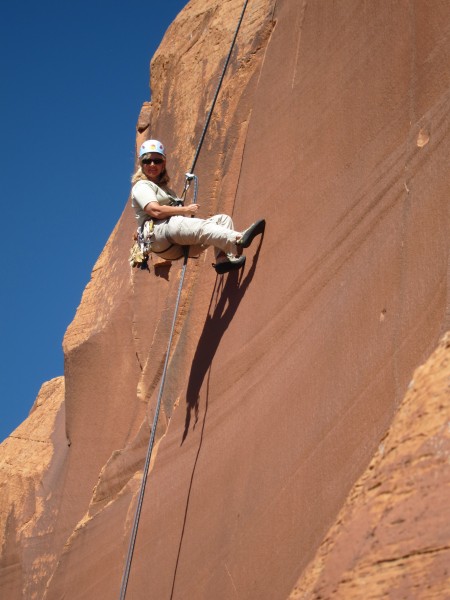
(165, 224)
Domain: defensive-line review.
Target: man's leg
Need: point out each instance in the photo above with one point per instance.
(216, 231)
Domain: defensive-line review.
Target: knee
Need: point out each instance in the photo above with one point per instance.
(224, 220)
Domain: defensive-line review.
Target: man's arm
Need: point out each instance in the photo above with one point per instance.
(159, 211)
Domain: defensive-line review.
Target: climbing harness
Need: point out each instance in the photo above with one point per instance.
(173, 250)
(143, 237)
(189, 178)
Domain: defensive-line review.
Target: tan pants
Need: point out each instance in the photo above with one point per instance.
(217, 231)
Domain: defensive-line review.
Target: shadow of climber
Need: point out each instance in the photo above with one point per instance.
(215, 326)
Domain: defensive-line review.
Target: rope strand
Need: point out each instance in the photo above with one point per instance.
(219, 85)
(134, 531)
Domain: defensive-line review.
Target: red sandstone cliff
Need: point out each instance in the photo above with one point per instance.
(391, 539)
(333, 124)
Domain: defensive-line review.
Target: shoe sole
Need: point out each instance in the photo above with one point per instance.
(254, 230)
(226, 267)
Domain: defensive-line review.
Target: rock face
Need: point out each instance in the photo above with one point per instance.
(32, 463)
(332, 124)
(391, 539)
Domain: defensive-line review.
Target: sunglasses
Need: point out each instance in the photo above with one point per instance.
(155, 161)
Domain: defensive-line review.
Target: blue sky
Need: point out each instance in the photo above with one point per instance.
(73, 78)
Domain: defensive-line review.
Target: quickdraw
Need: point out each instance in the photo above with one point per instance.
(140, 251)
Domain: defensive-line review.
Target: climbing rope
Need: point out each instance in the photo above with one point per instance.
(126, 573)
(213, 104)
(189, 178)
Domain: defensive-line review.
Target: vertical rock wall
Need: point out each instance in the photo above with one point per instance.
(391, 539)
(333, 125)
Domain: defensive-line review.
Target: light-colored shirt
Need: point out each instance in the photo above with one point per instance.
(144, 192)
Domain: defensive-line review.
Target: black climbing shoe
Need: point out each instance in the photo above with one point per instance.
(251, 232)
(227, 266)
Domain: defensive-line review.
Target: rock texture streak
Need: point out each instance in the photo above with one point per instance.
(333, 124)
(392, 538)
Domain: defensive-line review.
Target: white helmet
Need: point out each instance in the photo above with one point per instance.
(152, 146)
